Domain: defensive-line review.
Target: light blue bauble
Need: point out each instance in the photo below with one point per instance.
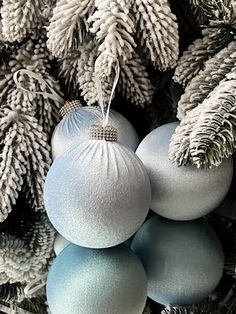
(183, 260)
(75, 126)
(97, 194)
(89, 281)
(181, 193)
(60, 243)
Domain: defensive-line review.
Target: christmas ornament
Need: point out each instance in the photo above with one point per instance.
(76, 122)
(97, 194)
(83, 280)
(183, 260)
(60, 243)
(181, 193)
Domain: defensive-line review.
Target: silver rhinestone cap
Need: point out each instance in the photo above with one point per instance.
(69, 107)
(107, 133)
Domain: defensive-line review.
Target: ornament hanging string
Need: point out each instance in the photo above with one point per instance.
(52, 95)
(36, 284)
(98, 84)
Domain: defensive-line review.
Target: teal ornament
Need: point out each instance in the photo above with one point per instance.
(97, 194)
(183, 260)
(60, 243)
(83, 281)
(181, 193)
(76, 122)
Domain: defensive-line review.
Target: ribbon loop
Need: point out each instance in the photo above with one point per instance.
(52, 95)
(36, 284)
(99, 87)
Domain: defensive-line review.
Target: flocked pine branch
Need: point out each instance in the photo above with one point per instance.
(27, 257)
(68, 25)
(219, 33)
(207, 307)
(134, 83)
(68, 68)
(11, 293)
(25, 159)
(35, 305)
(157, 31)
(207, 134)
(32, 56)
(114, 30)
(204, 11)
(215, 70)
(195, 9)
(21, 17)
(77, 69)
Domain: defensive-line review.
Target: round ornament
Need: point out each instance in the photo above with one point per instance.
(181, 193)
(97, 194)
(183, 260)
(60, 243)
(83, 280)
(76, 122)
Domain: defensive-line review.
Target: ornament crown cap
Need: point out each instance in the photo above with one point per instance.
(99, 132)
(69, 106)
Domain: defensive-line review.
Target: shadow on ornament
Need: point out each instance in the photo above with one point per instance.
(183, 260)
(83, 280)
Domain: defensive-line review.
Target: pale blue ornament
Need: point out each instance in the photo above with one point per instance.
(60, 243)
(89, 281)
(181, 193)
(97, 194)
(183, 260)
(76, 123)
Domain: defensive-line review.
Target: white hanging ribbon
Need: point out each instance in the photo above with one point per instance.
(99, 87)
(52, 95)
(36, 284)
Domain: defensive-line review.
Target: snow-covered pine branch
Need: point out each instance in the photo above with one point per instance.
(68, 72)
(207, 134)
(33, 56)
(27, 257)
(200, 87)
(21, 17)
(68, 25)
(25, 151)
(134, 83)
(157, 31)
(114, 30)
(220, 31)
(78, 69)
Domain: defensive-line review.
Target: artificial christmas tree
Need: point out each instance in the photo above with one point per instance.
(60, 41)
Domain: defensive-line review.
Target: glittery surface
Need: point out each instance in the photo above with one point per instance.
(75, 126)
(183, 260)
(97, 194)
(89, 281)
(181, 193)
